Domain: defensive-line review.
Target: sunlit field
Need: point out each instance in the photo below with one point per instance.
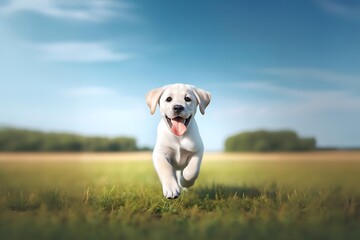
(237, 196)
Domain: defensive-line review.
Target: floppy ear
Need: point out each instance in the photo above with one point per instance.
(153, 97)
(203, 97)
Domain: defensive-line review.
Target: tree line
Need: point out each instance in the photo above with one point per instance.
(18, 140)
(269, 141)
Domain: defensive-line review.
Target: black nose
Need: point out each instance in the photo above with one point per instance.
(178, 108)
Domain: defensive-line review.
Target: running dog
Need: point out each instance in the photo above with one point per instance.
(179, 149)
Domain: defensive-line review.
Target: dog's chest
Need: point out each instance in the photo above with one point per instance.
(187, 148)
(188, 145)
(180, 158)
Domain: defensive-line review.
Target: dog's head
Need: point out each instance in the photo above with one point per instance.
(178, 104)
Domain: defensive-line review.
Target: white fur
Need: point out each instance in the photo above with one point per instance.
(177, 159)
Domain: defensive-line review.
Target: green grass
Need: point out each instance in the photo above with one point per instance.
(231, 200)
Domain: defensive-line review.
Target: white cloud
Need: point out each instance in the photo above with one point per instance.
(81, 10)
(106, 111)
(309, 73)
(91, 91)
(307, 101)
(98, 97)
(340, 9)
(81, 52)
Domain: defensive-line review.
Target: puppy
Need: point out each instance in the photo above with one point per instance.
(179, 149)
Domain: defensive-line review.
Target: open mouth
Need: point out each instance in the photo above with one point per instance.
(178, 125)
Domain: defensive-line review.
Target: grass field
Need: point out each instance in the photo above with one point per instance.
(273, 196)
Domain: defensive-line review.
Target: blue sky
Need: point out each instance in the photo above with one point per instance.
(85, 65)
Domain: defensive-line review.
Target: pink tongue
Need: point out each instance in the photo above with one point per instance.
(178, 128)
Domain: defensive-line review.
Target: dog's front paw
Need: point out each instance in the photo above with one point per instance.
(171, 190)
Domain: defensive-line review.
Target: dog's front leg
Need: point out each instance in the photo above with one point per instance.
(191, 171)
(167, 176)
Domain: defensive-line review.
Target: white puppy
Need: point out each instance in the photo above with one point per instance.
(179, 149)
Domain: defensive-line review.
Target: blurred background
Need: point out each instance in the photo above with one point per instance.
(83, 68)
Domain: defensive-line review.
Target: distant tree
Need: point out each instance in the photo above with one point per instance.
(12, 139)
(267, 141)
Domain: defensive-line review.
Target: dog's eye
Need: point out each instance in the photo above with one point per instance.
(168, 99)
(187, 99)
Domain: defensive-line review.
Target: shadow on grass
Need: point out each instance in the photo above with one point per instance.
(218, 191)
(22, 201)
